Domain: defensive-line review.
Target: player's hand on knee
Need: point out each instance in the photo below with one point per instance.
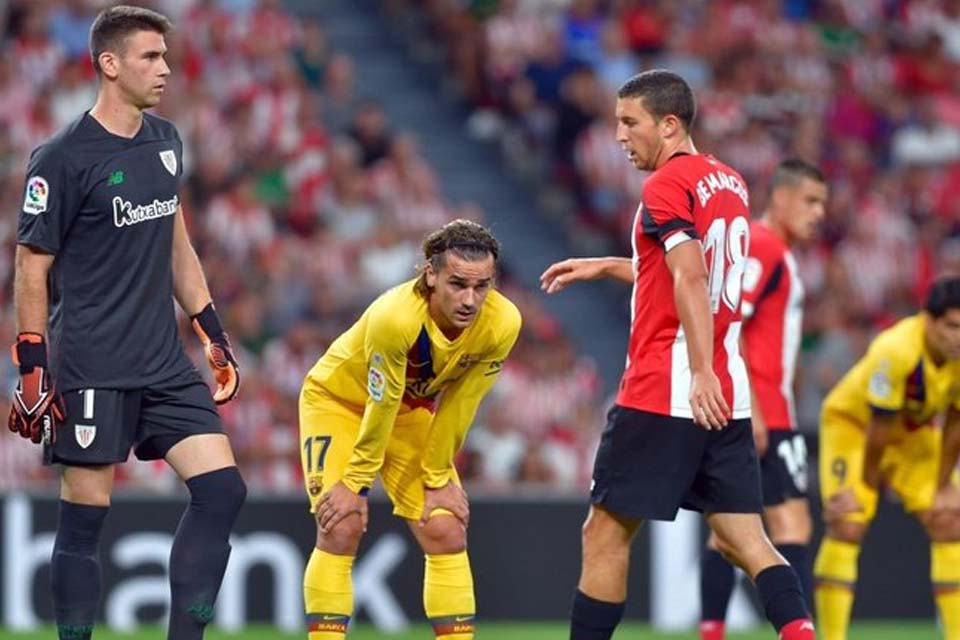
(946, 502)
(216, 346)
(36, 409)
(337, 504)
(710, 408)
(840, 505)
(450, 497)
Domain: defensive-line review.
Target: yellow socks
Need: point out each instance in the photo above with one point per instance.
(328, 595)
(945, 575)
(835, 576)
(448, 596)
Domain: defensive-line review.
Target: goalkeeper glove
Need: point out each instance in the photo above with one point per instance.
(36, 407)
(219, 353)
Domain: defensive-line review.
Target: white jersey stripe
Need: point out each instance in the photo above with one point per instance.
(680, 377)
(738, 372)
(792, 332)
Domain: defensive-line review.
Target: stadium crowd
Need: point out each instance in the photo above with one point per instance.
(869, 90)
(304, 202)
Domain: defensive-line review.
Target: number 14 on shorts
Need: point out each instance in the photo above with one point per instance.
(318, 445)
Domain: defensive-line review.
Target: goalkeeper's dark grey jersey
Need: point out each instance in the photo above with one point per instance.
(105, 206)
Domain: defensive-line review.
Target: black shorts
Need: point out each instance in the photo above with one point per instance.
(783, 468)
(102, 425)
(649, 465)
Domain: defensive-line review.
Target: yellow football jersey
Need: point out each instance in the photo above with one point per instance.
(897, 375)
(395, 360)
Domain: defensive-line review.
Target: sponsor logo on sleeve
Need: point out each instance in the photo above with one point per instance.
(36, 196)
(880, 385)
(376, 384)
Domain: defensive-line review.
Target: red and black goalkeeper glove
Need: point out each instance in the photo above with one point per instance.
(216, 345)
(36, 408)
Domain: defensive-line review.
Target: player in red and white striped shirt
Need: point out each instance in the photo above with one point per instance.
(772, 308)
(672, 440)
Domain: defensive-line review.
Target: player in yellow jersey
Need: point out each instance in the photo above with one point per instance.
(394, 396)
(882, 424)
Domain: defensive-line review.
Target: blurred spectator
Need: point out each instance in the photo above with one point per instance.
(303, 207)
(870, 91)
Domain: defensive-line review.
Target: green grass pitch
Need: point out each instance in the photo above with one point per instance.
(515, 631)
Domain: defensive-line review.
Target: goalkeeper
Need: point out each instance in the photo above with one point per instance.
(394, 396)
(102, 253)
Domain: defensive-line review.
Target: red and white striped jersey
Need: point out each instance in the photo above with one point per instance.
(690, 197)
(773, 319)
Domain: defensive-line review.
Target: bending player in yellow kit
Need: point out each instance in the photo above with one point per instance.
(881, 424)
(394, 396)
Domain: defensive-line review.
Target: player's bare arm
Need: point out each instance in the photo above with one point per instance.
(560, 274)
(36, 408)
(189, 283)
(686, 265)
(30, 289)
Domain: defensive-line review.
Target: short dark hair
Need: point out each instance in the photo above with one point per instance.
(791, 171)
(663, 93)
(464, 238)
(943, 296)
(113, 25)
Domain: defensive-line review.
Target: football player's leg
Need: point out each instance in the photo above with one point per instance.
(790, 528)
(944, 532)
(915, 481)
(201, 548)
(835, 567)
(786, 510)
(75, 566)
(716, 587)
(448, 596)
(602, 590)
(327, 434)
(740, 537)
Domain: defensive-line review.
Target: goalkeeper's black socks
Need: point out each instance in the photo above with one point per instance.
(593, 619)
(200, 550)
(75, 569)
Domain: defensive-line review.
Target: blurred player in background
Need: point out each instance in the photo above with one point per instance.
(395, 396)
(882, 423)
(672, 440)
(102, 254)
(772, 308)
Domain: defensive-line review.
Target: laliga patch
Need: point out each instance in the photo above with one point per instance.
(751, 274)
(376, 384)
(36, 196)
(85, 433)
(880, 386)
(169, 160)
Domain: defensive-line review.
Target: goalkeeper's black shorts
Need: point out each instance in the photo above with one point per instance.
(102, 425)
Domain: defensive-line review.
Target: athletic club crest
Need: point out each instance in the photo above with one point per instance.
(169, 159)
(85, 434)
